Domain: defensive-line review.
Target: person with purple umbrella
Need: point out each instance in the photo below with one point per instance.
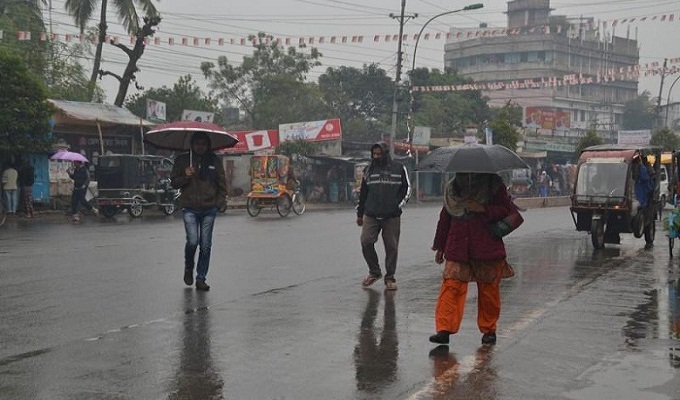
(81, 181)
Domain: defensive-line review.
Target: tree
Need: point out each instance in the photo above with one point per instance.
(24, 15)
(639, 113)
(65, 76)
(83, 10)
(665, 138)
(361, 98)
(24, 110)
(269, 86)
(446, 112)
(184, 95)
(297, 146)
(591, 138)
(505, 125)
(134, 55)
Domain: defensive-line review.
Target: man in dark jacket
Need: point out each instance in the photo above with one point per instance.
(200, 176)
(385, 189)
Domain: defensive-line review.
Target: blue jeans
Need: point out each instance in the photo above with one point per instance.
(11, 201)
(198, 225)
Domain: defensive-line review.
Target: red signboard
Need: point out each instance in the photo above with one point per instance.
(250, 141)
(546, 118)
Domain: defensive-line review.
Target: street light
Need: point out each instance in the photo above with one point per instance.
(668, 100)
(410, 123)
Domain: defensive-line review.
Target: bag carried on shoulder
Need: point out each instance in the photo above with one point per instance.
(508, 224)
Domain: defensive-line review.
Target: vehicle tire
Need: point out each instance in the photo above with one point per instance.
(284, 204)
(136, 209)
(168, 209)
(597, 233)
(108, 211)
(638, 224)
(650, 232)
(3, 214)
(299, 205)
(253, 207)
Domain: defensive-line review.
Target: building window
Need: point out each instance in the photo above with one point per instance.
(523, 56)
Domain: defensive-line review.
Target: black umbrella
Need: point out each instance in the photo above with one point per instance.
(478, 158)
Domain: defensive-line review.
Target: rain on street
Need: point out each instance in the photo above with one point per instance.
(99, 310)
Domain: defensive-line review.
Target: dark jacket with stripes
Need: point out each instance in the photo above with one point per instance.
(385, 188)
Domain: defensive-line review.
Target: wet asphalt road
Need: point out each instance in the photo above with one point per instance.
(99, 311)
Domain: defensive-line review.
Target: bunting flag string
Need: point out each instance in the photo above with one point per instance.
(461, 34)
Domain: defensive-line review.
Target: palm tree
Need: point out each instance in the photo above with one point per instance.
(82, 11)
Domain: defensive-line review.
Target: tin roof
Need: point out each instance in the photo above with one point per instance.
(76, 112)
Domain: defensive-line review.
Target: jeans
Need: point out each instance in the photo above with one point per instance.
(198, 225)
(11, 201)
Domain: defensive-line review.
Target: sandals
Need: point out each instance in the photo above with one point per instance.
(369, 280)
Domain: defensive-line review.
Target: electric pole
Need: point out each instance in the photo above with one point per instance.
(658, 102)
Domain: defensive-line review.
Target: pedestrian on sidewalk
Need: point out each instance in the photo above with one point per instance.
(199, 174)
(26, 181)
(10, 189)
(81, 181)
(477, 213)
(385, 189)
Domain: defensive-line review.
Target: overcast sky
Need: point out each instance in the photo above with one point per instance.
(230, 19)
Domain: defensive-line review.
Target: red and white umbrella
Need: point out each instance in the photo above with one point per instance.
(177, 135)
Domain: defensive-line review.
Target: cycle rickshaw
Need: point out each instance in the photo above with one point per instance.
(611, 195)
(273, 185)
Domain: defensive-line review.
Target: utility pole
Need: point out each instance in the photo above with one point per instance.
(397, 80)
(658, 102)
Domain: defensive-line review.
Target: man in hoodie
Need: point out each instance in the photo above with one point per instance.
(385, 189)
(200, 177)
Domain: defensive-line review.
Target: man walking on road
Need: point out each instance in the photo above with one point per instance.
(385, 189)
(200, 176)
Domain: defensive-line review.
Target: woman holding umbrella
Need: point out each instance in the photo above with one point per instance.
(477, 213)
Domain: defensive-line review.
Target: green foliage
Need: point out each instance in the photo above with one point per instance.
(665, 138)
(184, 95)
(269, 86)
(446, 112)
(639, 113)
(505, 125)
(297, 146)
(24, 16)
(361, 98)
(24, 110)
(66, 77)
(591, 138)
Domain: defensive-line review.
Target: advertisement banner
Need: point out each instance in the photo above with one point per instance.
(312, 131)
(421, 135)
(250, 141)
(546, 118)
(200, 116)
(155, 110)
(636, 138)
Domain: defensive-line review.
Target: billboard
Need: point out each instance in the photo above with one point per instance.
(155, 110)
(201, 116)
(637, 138)
(250, 141)
(312, 131)
(546, 118)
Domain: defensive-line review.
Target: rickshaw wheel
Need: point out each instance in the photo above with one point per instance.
(638, 224)
(136, 209)
(168, 209)
(597, 234)
(284, 205)
(253, 207)
(108, 211)
(650, 232)
(299, 205)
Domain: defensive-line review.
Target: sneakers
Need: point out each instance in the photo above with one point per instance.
(489, 338)
(201, 285)
(441, 337)
(390, 285)
(369, 280)
(188, 276)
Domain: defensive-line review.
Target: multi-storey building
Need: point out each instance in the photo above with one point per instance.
(567, 74)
